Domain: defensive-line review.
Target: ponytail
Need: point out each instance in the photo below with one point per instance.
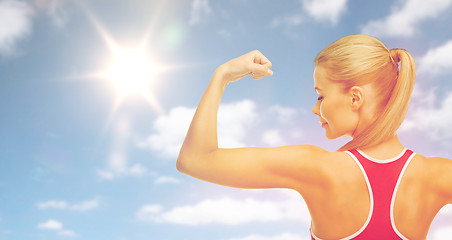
(362, 59)
(396, 107)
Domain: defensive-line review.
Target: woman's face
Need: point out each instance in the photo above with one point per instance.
(334, 106)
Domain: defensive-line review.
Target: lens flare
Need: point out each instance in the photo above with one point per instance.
(130, 69)
(132, 73)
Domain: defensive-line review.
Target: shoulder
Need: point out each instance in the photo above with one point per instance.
(433, 165)
(317, 164)
(296, 154)
(313, 156)
(436, 175)
(439, 167)
(307, 163)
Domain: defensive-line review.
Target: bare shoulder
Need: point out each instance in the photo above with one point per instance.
(312, 157)
(311, 160)
(436, 172)
(434, 165)
(303, 151)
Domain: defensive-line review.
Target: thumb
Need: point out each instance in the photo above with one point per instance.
(261, 69)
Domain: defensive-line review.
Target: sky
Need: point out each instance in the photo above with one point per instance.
(88, 147)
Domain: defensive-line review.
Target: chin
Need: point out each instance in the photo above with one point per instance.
(332, 136)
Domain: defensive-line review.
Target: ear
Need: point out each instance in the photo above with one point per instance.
(356, 97)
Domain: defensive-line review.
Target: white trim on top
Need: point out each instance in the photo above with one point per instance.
(382, 160)
(371, 196)
(394, 196)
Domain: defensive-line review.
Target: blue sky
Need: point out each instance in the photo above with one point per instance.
(81, 158)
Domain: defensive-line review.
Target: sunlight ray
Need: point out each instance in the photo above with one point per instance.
(130, 70)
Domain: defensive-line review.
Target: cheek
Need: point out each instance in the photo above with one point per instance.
(324, 110)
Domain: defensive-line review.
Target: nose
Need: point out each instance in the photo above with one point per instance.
(315, 109)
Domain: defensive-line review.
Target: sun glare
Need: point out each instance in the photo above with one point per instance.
(130, 70)
(131, 73)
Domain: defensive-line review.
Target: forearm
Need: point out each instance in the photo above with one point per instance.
(201, 138)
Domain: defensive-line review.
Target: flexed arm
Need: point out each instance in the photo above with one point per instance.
(202, 135)
(200, 156)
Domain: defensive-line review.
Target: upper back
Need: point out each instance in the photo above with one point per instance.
(421, 194)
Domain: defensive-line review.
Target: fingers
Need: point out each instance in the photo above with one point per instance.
(253, 63)
(260, 59)
(260, 66)
(259, 71)
(257, 76)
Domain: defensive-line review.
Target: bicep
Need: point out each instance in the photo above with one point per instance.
(279, 167)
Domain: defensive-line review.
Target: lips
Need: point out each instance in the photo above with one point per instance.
(323, 122)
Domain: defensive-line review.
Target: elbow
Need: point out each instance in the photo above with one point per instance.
(180, 165)
(189, 164)
(183, 163)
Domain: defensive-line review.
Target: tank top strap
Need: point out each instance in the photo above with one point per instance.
(382, 178)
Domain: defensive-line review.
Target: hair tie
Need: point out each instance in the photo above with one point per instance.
(394, 55)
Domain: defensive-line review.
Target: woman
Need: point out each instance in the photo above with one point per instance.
(372, 187)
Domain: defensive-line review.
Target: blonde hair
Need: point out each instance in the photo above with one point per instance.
(356, 60)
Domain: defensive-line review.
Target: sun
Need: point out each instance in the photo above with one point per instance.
(131, 72)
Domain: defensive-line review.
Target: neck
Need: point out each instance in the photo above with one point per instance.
(386, 149)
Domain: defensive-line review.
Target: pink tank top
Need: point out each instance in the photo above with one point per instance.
(383, 179)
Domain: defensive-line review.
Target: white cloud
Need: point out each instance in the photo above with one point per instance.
(118, 163)
(283, 236)
(272, 138)
(85, 206)
(433, 121)
(166, 179)
(170, 130)
(288, 21)
(441, 228)
(56, 226)
(287, 24)
(404, 19)
(200, 9)
(224, 33)
(67, 233)
(283, 114)
(105, 174)
(285, 125)
(322, 10)
(441, 233)
(446, 210)
(137, 170)
(54, 9)
(227, 211)
(15, 24)
(52, 204)
(58, 204)
(233, 121)
(51, 225)
(147, 210)
(437, 60)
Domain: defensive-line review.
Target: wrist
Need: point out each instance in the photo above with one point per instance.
(221, 75)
